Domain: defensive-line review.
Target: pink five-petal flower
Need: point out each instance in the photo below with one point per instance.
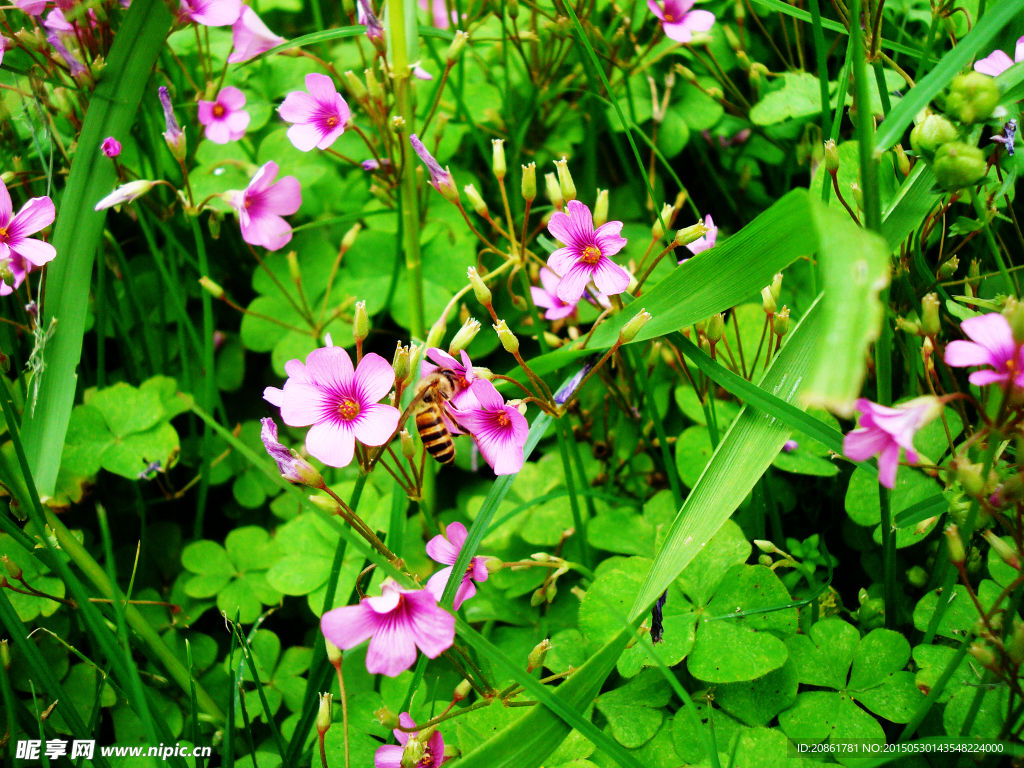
(319, 116)
(250, 37)
(341, 405)
(883, 431)
(705, 241)
(585, 255)
(261, 205)
(499, 430)
(998, 61)
(396, 623)
(23, 252)
(992, 344)
(445, 550)
(678, 21)
(225, 120)
(390, 755)
(465, 375)
(547, 298)
(5, 43)
(210, 13)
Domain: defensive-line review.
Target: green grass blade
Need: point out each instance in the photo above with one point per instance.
(79, 228)
(528, 741)
(251, 663)
(745, 452)
(891, 129)
(922, 510)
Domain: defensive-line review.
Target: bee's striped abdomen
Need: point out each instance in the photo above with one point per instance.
(434, 434)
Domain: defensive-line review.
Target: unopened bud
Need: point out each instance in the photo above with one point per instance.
(325, 503)
(397, 123)
(974, 275)
(1005, 552)
(476, 201)
(632, 328)
(529, 185)
(765, 560)
(969, 475)
(908, 326)
(408, 447)
(13, 570)
(323, 715)
(955, 545)
(948, 268)
(917, 576)
(461, 691)
(386, 717)
(355, 87)
(436, 333)
(776, 286)
(983, 655)
(455, 49)
(493, 564)
(5, 655)
(400, 362)
(768, 301)
(413, 753)
(350, 237)
(565, 182)
(373, 86)
(858, 195)
(902, 161)
(554, 191)
(334, 653)
(930, 314)
(507, 338)
(293, 266)
(831, 156)
(498, 162)
(780, 323)
(689, 234)
(664, 217)
(480, 289)
(211, 287)
(464, 337)
(360, 323)
(715, 328)
(601, 208)
(536, 658)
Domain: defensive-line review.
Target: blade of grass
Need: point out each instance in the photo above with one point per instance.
(251, 663)
(79, 228)
(209, 383)
(193, 706)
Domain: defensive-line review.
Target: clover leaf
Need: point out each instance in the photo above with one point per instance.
(279, 674)
(235, 573)
(634, 710)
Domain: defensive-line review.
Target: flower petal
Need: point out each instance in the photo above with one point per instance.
(432, 627)
(374, 378)
(608, 237)
(437, 582)
(304, 136)
(456, 534)
(962, 354)
(297, 107)
(332, 442)
(231, 97)
(562, 260)
(610, 278)
(6, 206)
(466, 590)
(348, 626)
(888, 463)
(392, 649)
(35, 252)
(376, 424)
(38, 213)
(993, 332)
(994, 64)
(321, 88)
(862, 444)
(574, 282)
(331, 367)
(388, 756)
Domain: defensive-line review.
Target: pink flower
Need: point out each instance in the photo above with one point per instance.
(320, 116)
(210, 13)
(678, 21)
(55, 22)
(883, 431)
(225, 120)
(445, 550)
(366, 17)
(111, 147)
(397, 623)
(261, 205)
(547, 298)
(499, 430)
(70, 60)
(250, 37)
(998, 61)
(390, 755)
(993, 345)
(23, 252)
(31, 7)
(585, 255)
(341, 404)
(440, 178)
(706, 241)
(439, 13)
(292, 467)
(465, 374)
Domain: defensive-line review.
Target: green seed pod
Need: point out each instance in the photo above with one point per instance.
(902, 161)
(455, 49)
(930, 134)
(400, 362)
(480, 289)
(776, 286)
(690, 234)
(949, 268)
(536, 658)
(334, 654)
(554, 191)
(958, 165)
(930, 314)
(507, 338)
(972, 97)
(715, 328)
(462, 691)
(476, 201)
(780, 323)
(768, 301)
(498, 163)
(601, 208)
(464, 336)
(408, 447)
(658, 228)
(529, 187)
(632, 328)
(957, 555)
(831, 156)
(565, 182)
(323, 715)
(360, 323)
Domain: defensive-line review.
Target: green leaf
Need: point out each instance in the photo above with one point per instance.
(127, 410)
(634, 710)
(207, 557)
(823, 656)
(693, 452)
(758, 701)
(78, 231)
(820, 715)
(799, 97)
(623, 531)
(881, 653)
(687, 737)
(917, 98)
(932, 661)
(727, 548)
(745, 451)
(897, 699)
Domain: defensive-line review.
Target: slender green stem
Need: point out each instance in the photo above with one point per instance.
(659, 429)
(865, 124)
(991, 240)
(888, 556)
(209, 384)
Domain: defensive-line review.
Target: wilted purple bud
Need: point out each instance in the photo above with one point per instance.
(790, 446)
(657, 627)
(151, 468)
(374, 29)
(440, 178)
(370, 165)
(32, 310)
(111, 147)
(173, 129)
(421, 74)
(292, 467)
(1006, 138)
(566, 390)
(72, 63)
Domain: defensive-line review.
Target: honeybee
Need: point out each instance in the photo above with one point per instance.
(437, 388)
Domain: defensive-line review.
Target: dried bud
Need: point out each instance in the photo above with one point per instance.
(464, 337)
(780, 323)
(360, 323)
(554, 191)
(831, 156)
(955, 545)
(974, 275)
(601, 208)
(455, 49)
(508, 339)
(498, 163)
(715, 328)
(211, 287)
(565, 182)
(632, 328)
(930, 314)
(476, 201)
(768, 301)
(323, 715)
(480, 289)
(536, 658)
(529, 185)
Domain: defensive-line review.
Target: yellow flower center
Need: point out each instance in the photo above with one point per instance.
(591, 255)
(503, 419)
(348, 409)
(3, 233)
(669, 18)
(218, 110)
(332, 121)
